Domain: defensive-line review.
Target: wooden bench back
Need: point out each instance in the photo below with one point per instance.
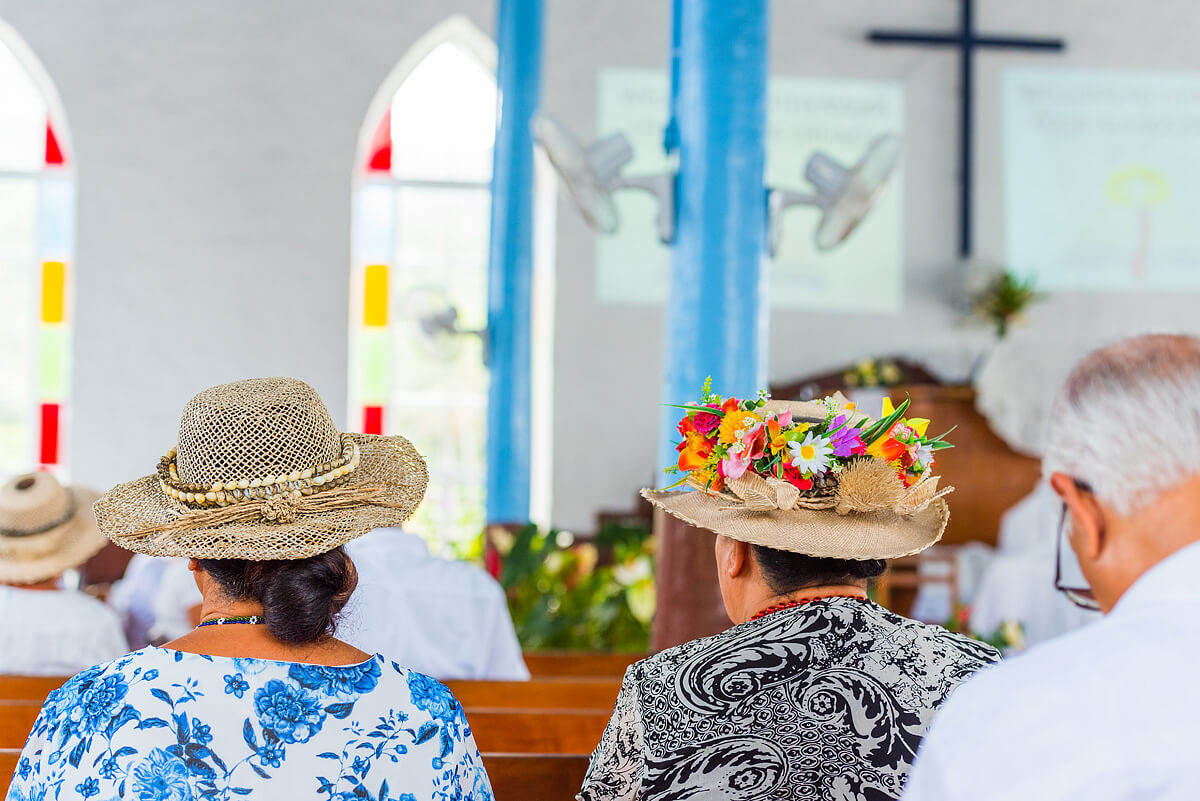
(29, 688)
(541, 731)
(544, 664)
(16, 719)
(549, 693)
(535, 777)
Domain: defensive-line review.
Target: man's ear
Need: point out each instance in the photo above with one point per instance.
(193, 564)
(1086, 530)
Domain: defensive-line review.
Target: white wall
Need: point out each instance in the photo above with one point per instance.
(215, 144)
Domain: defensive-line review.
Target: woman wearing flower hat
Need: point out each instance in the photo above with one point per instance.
(816, 691)
(260, 699)
(47, 529)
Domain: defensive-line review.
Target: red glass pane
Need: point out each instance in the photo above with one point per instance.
(49, 445)
(54, 154)
(379, 153)
(372, 419)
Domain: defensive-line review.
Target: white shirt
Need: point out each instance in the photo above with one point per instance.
(134, 595)
(1106, 712)
(441, 617)
(55, 632)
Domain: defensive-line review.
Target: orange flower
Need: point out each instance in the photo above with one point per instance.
(694, 454)
(735, 422)
(775, 436)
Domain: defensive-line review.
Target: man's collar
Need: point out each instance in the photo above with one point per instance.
(1176, 578)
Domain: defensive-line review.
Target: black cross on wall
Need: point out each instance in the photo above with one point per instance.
(968, 41)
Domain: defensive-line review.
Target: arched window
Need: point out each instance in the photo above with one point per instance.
(422, 207)
(37, 226)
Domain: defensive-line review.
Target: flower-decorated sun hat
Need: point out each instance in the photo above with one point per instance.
(260, 471)
(45, 528)
(817, 478)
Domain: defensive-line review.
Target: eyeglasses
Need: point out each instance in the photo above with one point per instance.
(1080, 596)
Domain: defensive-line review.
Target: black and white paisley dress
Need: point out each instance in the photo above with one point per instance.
(828, 700)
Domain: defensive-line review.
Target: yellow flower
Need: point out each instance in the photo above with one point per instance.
(918, 424)
(733, 422)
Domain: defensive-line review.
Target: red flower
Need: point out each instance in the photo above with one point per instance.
(793, 477)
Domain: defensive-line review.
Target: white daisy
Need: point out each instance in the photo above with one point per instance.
(811, 456)
(923, 456)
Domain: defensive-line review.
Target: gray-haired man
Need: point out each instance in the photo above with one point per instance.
(1108, 711)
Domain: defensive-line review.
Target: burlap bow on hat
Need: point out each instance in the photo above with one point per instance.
(45, 528)
(866, 512)
(261, 472)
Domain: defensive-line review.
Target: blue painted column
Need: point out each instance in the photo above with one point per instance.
(716, 310)
(510, 261)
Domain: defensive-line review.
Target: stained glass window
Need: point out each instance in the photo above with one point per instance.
(37, 225)
(421, 214)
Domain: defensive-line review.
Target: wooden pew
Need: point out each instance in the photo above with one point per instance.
(542, 731)
(8, 766)
(526, 777)
(549, 693)
(16, 719)
(29, 688)
(545, 664)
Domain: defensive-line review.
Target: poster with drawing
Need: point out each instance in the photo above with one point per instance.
(1102, 178)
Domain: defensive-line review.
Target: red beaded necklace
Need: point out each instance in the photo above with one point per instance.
(802, 601)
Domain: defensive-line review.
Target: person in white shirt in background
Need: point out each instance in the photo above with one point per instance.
(441, 617)
(1107, 711)
(1017, 582)
(156, 599)
(46, 629)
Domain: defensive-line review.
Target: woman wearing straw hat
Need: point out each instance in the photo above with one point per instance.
(260, 699)
(45, 530)
(816, 692)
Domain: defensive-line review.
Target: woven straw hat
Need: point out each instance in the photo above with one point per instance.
(261, 472)
(867, 515)
(45, 528)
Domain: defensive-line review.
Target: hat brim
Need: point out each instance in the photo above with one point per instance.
(824, 533)
(56, 550)
(390, 462)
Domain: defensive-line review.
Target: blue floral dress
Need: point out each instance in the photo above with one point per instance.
(161, 725)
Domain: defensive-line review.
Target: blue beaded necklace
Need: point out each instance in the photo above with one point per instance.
(224, 621)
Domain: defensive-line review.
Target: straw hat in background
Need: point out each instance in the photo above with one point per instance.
(45, 528)
(876, 502)
(261, 472)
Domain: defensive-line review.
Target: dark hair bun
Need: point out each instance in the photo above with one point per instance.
(301, 598)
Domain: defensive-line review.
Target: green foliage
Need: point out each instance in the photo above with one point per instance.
(595, 596)
(1008, 637)
(1004, 299)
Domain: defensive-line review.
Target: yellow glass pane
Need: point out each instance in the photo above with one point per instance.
(375, 296)
(54, 277)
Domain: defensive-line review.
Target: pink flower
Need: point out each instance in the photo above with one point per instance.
(742, 453)
(706, 423)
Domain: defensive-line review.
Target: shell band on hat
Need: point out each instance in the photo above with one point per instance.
(297, 483)
(261, 471)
